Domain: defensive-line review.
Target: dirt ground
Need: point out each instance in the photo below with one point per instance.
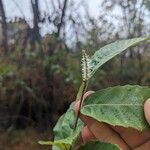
(23, 140)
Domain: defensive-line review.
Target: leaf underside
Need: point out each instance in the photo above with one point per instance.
(119, 106)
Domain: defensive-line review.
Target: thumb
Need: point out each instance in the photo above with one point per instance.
(147, 110)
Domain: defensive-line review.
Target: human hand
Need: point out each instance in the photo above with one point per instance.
(126, 138)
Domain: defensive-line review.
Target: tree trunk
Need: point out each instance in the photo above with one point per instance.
(36, 19)
(36, 37)
(4, 28)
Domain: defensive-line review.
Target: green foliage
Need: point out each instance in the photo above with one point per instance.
(64, 135)
(64, 129)
(107, 52)
(7, 70)
(118, 106)
(27, 82)
(65, 64)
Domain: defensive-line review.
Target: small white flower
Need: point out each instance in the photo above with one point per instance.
(85, 65)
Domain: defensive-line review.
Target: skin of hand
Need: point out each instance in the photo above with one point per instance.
(126, 138)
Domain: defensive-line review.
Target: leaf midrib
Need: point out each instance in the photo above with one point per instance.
(93, 105)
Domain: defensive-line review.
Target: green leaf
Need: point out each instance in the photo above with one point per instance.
(97, 145)
(120, 105)
(65, 125)
(63, 131)
(65, 137)
(107, 52)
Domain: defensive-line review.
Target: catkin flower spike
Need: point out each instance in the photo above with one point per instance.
(85, 65)
(85, 77)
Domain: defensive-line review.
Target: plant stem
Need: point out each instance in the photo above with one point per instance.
(79, 97)
(81, 101)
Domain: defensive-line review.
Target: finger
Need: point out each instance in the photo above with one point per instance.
(133, 137)
(103, 132)
(87, 135)
(147, 110)
(100, 131)
(145, 146)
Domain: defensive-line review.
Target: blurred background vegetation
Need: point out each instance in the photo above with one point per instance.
(40, 70)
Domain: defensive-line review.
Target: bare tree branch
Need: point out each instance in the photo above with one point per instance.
(62, 18)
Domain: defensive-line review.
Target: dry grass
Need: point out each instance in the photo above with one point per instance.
(23, 140)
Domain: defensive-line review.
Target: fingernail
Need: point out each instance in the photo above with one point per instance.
(148, 101)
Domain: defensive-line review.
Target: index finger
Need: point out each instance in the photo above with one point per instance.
(101, 131)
